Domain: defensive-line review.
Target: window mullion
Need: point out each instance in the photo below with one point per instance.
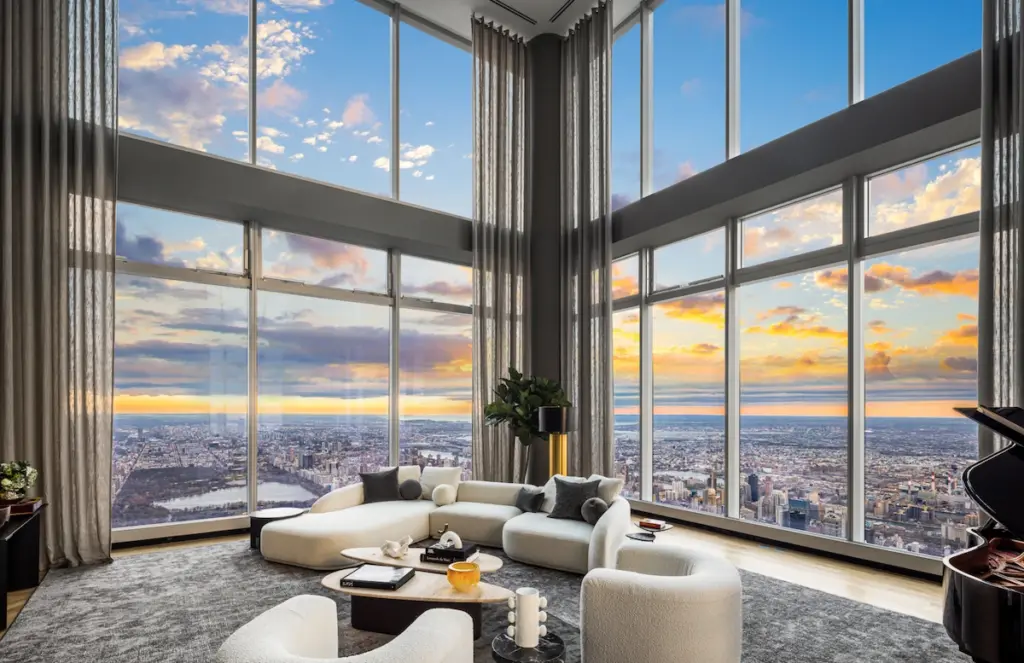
(396, 24)
(732, 78)
(646, 99)
(253, 46)
(732, 372)
(394, 395)
(853, 235)
(646, 380)
(252, 421)
(855, 55)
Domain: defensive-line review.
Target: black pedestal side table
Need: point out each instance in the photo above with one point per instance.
(550, 649)
(19, 556)
(257, 519)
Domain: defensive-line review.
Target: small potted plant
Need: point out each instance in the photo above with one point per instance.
(16, 477)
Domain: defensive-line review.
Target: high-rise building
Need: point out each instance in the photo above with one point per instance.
(752, 482)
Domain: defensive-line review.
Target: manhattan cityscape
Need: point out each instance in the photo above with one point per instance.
(793, 473)
(174, 468)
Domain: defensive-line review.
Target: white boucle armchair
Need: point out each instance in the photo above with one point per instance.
(304, 629)
(662, 602)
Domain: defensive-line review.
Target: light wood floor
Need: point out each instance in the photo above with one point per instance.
(911, 596)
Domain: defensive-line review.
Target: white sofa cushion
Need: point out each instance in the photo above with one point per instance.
(489, 492)
(406, 472)
(432, 477)
(315, 540)
(533, 538)
(609, 488)
(444, 494)
(474, 521)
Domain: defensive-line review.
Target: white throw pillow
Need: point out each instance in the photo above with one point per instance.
(609, 488)
(405, 472)
(444, 494)
(432, 477)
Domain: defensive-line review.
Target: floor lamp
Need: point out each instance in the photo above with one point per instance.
(557, 423)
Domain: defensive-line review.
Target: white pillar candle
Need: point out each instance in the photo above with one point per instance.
(527, 617)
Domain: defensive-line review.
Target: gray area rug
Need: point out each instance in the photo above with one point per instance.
(177, 606)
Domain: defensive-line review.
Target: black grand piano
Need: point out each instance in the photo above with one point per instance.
(984, 585)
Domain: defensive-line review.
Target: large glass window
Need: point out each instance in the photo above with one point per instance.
(921, 361)
(689, 89)
(807, 225)
(436, 376)
(793, 65)
(437, 281)
(688, 449)
(183, 73)
(324, 92)
(436, 117)
(180, 385)
(323, 395)
(690, 261)
(157, 237)
(908, 38)
(793, 404)
(944, 186)
(625, 120)
(316, 261)
(626, 375)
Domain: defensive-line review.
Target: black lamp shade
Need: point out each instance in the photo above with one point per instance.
(552, 419)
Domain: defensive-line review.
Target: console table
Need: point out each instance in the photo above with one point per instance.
(19, 556)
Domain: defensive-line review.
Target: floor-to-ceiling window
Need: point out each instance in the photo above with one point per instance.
(257, 368)
(626, 372)
(805, 360)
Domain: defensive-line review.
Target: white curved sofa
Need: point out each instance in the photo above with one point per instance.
(662, 602)
(304, 629)
(484, 512)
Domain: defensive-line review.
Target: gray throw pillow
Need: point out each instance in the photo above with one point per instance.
(380, 486)
(593, 509)
(529, 499)
(410, 489)
(570, 496)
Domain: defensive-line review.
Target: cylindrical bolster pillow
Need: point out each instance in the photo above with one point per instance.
(444, 494)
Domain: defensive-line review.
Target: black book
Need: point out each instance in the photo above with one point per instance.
(372, 576)
(437, 553)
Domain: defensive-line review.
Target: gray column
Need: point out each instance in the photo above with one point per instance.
(544, 54)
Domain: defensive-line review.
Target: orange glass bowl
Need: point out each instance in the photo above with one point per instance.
(464, 576)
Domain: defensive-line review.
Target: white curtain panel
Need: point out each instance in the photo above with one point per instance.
(1001, 294)
(500, 240)
(587, 240)
(58, 158)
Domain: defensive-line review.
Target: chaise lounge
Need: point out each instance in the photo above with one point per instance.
(483, 512)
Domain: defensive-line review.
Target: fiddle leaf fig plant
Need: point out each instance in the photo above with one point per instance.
(518, 399)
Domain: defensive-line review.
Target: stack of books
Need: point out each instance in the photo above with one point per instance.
(441, 555)
(651, 523)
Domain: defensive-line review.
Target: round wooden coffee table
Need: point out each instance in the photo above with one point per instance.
(257, 519)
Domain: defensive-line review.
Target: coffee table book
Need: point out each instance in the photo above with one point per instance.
(373, 576)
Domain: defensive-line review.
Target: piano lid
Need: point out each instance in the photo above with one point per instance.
(996, 482)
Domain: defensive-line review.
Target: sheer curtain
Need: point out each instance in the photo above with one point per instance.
(587, 240)
(1001, 295)
(58, 153)
(500, 243)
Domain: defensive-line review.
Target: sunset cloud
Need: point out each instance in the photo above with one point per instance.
(962, 335)
(884, 276)
(707, 308)
(357, 111)
(903, 199)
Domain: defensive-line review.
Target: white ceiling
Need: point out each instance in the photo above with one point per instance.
(456, 15)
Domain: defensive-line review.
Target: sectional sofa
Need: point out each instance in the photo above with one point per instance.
(483, 512)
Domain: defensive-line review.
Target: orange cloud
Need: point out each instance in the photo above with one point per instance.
(935, 282)
(783, 285)
(876, 366)
(879, 346)
(966, 317)
(962, 335)
(798, 329)
(960, 364)
(879, 327)
(703, 349)
(708, 308)
(883, 276)
(758, 239)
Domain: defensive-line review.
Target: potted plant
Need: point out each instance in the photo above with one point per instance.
(518, 400)
(16, 477)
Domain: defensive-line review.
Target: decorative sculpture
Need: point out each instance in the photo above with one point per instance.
(397, 549)
(450, 540)
(526, 617)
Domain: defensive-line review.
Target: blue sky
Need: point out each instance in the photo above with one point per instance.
(793, 71)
